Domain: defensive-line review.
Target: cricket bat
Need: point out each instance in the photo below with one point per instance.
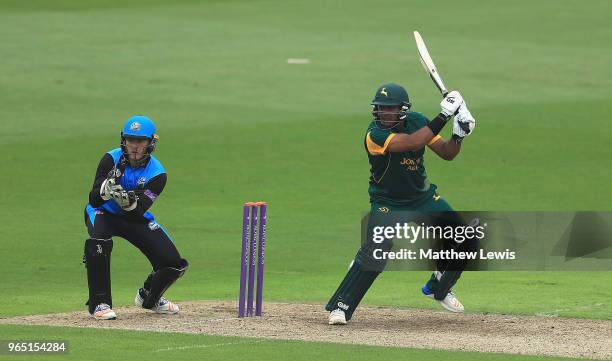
(428, 64)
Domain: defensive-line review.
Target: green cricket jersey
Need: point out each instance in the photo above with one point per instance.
(397, 179)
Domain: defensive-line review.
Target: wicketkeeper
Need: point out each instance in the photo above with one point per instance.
(395, 143)
(127, 183)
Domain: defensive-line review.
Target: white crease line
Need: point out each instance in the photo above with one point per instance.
(298, 61)
(207, 345)
(555, 313)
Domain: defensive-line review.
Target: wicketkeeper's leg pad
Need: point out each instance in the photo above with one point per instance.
(159, 281)
(97, 261)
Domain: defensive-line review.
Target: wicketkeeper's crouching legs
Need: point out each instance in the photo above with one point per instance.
(152, 240)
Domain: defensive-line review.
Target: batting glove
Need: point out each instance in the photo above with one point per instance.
(464, 122)
(451, 102)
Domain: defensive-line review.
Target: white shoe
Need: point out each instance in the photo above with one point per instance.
(104, 312)
(162, 306)
(337, 317)
(450, 303)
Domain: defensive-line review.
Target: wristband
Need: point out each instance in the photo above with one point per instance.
(438, 123)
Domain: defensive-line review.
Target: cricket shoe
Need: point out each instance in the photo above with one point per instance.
(104, 312)
(337, 317)
(450, 302)
(162, 306)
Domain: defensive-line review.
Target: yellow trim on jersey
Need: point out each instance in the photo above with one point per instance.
(376, 149)
(434, 139)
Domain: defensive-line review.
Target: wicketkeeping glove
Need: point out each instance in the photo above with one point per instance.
(108, 187)
(451, 102)
(110, 184)
(125, 199)
(464, 122)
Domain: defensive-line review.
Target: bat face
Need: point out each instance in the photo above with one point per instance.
(428, 64)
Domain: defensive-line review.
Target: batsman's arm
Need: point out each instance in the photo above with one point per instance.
(403, 142)
(422, 137)
(145, 198)
(104, 167)
(446, 149)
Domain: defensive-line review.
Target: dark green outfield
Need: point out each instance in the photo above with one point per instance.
(237, 123)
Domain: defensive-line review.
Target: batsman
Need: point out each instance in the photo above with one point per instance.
(395, 143)
(129, 179)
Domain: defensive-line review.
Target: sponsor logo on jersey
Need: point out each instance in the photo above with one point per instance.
(141, 182)
(383, 210)
(411, 163)
(153, 225)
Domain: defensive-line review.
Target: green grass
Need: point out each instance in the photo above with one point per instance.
(237, 123)
(89, 344)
